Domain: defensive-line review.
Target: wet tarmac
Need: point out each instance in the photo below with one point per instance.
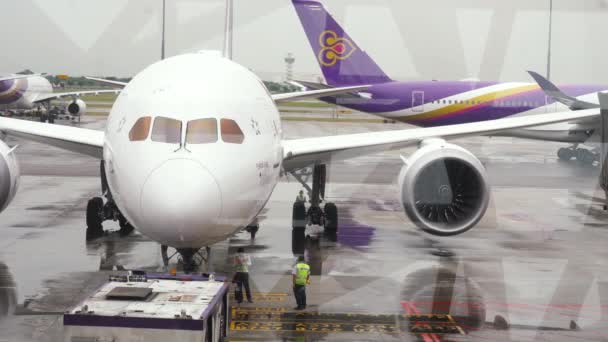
(532, 270)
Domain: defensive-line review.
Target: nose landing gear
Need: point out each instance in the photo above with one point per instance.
(98, 212)
(190, 258)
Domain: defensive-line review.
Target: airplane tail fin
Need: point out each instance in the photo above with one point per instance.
(342, 61)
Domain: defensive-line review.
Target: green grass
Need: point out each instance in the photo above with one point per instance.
(101, 105)
(303, 118)
(306, 104)
(100, 97)
(97, 114)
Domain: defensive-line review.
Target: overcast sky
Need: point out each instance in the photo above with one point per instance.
(430, 39)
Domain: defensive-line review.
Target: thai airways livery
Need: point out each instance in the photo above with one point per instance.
(22, 92)
(434, 103)
(193, 149)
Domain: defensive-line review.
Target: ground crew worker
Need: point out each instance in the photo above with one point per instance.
(242, 262)
(301, 198)
(301, 278)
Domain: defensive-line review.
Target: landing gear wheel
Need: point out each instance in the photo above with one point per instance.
(164, 254)
(585, 157)
(299, 215)
(94, 226)
(187, 258)
(331, 218)
(565, 154)
(125, 227)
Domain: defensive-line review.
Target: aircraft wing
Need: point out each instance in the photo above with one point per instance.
(75, 139)
(299, 95)
(310, 85)
(103, 80)
(553, 91)
(319, 86)
(300, 153)
(16, 77)
(55, 96)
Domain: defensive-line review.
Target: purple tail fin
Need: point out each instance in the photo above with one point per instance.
(340, 58)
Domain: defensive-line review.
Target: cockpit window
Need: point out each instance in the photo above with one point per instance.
(231, 132)
(202, 131)
(140, 129)
(167, 130)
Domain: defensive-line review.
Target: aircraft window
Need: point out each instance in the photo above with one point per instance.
(202, 131)
(140, 129)
(231, 132)
(167, 130)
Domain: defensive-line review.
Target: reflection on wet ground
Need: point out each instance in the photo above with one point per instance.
(8, 292)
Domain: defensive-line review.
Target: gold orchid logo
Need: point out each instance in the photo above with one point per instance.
(334, 48)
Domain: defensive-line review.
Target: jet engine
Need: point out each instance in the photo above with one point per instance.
(77, 107)
(444, 188)
(9, 175)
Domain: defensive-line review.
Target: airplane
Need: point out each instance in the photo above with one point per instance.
(193, 149)
(22, 92)
(190, 165)
(435, 103)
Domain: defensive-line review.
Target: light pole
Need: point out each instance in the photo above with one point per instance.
(228, 22)
(549, 44)
(162, 39)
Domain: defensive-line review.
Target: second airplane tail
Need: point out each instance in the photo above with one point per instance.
(342, 61)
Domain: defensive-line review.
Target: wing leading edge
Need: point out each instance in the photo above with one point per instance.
(75, 139)
(303, 152)
(55, 96)
(16, 77)
(310, 94)
(278, 98)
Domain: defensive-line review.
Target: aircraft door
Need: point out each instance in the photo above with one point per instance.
(418, 101)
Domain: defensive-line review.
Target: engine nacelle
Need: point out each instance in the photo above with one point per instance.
(9, 175)
(444, 188)
(77, 107)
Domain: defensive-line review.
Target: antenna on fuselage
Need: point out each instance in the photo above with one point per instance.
(162, 39)
(228, 21)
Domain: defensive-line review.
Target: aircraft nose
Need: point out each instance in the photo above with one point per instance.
(179, 201)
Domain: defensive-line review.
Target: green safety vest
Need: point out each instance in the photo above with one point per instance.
(240, 264)
(302, 272)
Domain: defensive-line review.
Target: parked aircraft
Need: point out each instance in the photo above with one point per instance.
(433, 103)
(193, 149)
(23, 92)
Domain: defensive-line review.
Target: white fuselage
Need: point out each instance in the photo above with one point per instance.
(21, 93)
(193, 190)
